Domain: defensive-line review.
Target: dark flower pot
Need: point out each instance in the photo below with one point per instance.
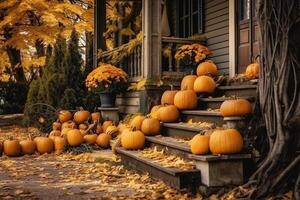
(108, 100)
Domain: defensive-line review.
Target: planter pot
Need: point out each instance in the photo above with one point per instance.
(108, 100)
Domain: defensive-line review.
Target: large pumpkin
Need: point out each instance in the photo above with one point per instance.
(168, 97)
(11, 148)
(74, 137)
(154, 111)
(207, 68)
(168, 113)
(252, 71)
(200, 144)
(81, 116)
(64, 116)
(136, 122)
(106, 124)
(59, 144)
(103, 140)
(150, 126)
(186, 100)
(132, 140)
(187, 82)
(90, 138)
(204, 84)
(237, 107)
(44, 145)
(227, 141)
(96, 117)
(27, 146)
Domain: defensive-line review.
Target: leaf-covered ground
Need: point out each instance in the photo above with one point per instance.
(86, 176)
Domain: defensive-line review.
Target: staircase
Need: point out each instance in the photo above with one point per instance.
(211, 171)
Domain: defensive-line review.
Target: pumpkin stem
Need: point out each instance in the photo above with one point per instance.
(171, 86)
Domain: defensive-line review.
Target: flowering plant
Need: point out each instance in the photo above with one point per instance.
(192, 53)
(107, 79)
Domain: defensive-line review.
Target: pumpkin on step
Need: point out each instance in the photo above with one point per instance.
(227, 141)
(237, 107)
(252, 71)
(187, 82)
(168, 113)
(204, 84)
(74, 137)
(154, 111)
(207, 68)
(136, 122)
(44, 145)
(150, 126)
(64, 116)
(186, 100)
(11, 148)
(103, 140)
(200, 144)
(132, 139)
(81, 116)
(27, 146)
(168, 97)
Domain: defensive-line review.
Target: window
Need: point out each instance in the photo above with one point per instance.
(190, 16)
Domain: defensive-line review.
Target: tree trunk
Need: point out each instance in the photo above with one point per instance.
(279, 97)
(16, 64)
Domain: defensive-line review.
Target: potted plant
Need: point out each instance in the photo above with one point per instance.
(108, 81)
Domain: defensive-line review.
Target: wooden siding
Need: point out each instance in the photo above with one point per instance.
(216, 29)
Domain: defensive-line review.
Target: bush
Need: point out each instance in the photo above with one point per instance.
(12, 97)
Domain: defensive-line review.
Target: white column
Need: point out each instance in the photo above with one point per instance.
(232, 38)
(151, 49)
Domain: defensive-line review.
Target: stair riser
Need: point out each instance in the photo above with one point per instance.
(237, 92)
(181, 133)
(218, 120)
(212, 105)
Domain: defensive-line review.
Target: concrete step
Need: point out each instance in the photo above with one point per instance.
(203, 116)
(215, 102)
(177, 178)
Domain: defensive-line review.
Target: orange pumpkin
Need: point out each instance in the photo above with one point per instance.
(154, 111)
(96, 117)
(59, 144)
(74, 137)
(204, 84)
(90, 138)
(168, 113)
(106, 124)
(56, 126)
(207, 68)
(168, 97)
(81, 116)
(136, 122)
(252, 71)
(133, 140)
(53, 134)
(27, 146)
(150, 126)
(68, 124)
(112, 130)
(65, 131)
(200, 144)
(237, 107)
(64, 116)
(122, 127)
(83, 127)
(44, 145)
(186, 100)
(103, 140)
(227, 141)
(12, 148)
(187, 82)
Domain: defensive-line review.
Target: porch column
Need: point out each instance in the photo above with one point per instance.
(99, 28)
(151, 51)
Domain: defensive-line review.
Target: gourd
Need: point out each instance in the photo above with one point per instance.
(56, 126)
(112, 130)
(150, 126)
(186, 100)
(106, 124)
(68, 124)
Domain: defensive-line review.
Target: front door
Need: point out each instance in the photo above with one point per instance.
(247, 34)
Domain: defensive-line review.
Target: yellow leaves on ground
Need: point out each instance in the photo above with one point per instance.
(206, 125)
(142, 83)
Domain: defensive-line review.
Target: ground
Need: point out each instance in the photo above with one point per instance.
(96, 175)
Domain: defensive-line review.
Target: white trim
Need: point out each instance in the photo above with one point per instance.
(232, 38)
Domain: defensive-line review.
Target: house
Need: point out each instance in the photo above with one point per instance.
(227, 27)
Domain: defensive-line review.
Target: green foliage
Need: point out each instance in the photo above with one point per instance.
(68, 100)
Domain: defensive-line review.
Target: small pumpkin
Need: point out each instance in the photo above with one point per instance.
(154, 111)
(103, 140)
(68, 124)
(54, 133)
(27, 146)
(83, 127)
(112, 130)
(132, 139)
(122, 127)
(81, 116)
(64, 116)
(150, 126)
(136, 122)
(12, 148)
(186, 100)
(227, 141)
(236, 107)
(187, 82)
(56, 126)
(106, 124)
(74, 137)
(90, 138)
(204, 84)
(44, 145)
(65, 131)
(99, 129)
(252, 71)
(59, 144)
(200, 144)
(207, 68)
(96, 116)
(168, 113)
(168, 97)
